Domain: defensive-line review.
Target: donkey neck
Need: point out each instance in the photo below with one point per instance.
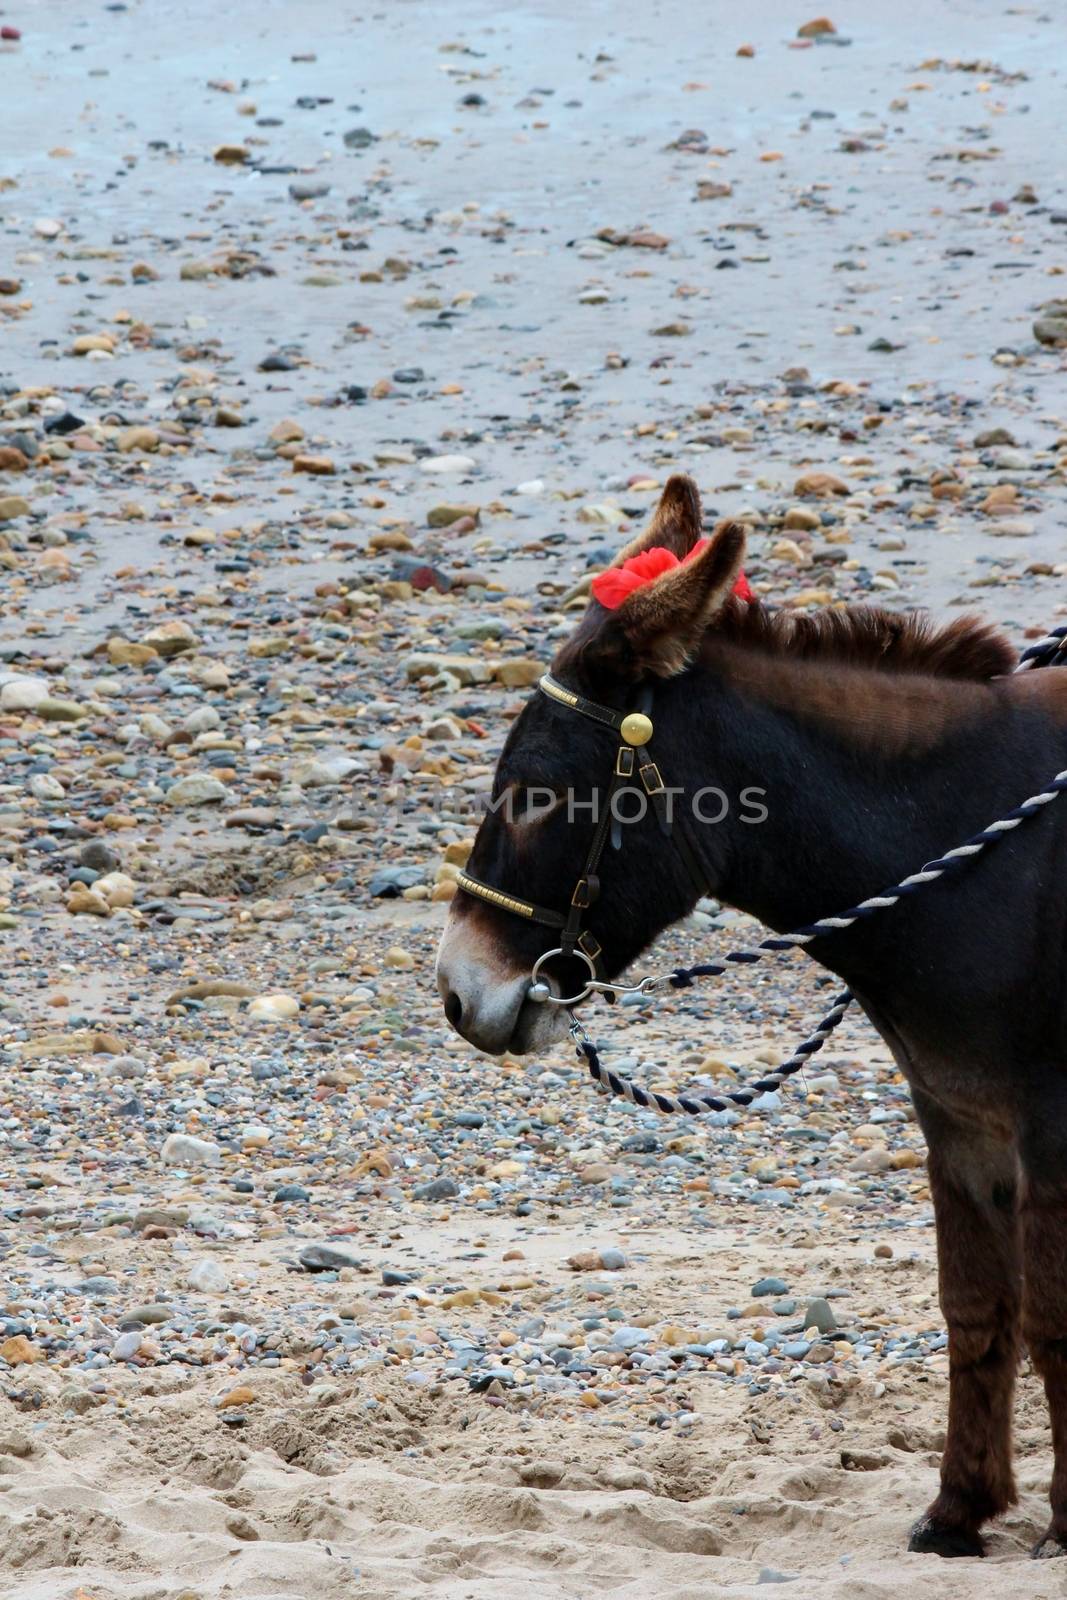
(867, 774)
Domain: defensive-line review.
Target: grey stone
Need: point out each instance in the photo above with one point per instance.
(437, 1189)
(767, 1286)
(324, 1257)
(819, 1314)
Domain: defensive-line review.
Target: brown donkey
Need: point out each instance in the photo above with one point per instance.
(879, 742)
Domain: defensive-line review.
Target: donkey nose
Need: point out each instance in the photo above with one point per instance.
(454, 1009)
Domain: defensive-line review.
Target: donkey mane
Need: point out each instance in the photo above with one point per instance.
(864, 636)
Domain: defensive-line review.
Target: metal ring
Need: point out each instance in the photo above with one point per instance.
(561, 1000)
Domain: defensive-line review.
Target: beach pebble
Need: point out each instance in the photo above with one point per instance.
(184, 1150)
(208, 1276)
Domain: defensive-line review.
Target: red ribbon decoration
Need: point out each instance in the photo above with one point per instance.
(615, 585)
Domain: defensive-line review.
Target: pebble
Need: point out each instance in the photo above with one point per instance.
(436, 1189)
(126, 1346)
(183, 1150)
(328, 1257)
(208, 1277)
(819, 1315)
(767, 1286)
(196, 789)
(273, 1007)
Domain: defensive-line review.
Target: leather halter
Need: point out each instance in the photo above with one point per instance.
(633, 758)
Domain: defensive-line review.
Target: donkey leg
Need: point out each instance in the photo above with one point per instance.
(1044, 1320)
(973, 1180)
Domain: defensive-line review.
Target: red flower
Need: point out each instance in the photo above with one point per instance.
(615, 585)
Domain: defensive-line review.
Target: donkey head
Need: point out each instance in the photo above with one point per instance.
(554, 770)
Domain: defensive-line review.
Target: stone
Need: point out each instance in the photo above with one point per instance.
(242, 1395)
(207, 1276)
(138, 440)
(93, 344)
(273, 1007)
(24, 694)
(285, 432)
(324, 1257)
(44, 787)
(819, 1315)
(99, 856)
(465, 669)
(84, 901)
(318, 466)
(60, 710)
(445, 515)
(520, 672)
(126, 1346)
(767, 1286)
(231, 155)
(117, 888)
(197, 789)
(12, 506)
(445, 465)
(324, 770)
(124, 653)
(816, 28)
(19, 1352)
(171, 638)
(594, 1173)
(819, 486)
(183, 1150)
(436, 1189)
(1051, 326)
(389, 882)
(149, 1315)
(800, 519)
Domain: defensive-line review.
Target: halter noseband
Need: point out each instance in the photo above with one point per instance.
(632, 758)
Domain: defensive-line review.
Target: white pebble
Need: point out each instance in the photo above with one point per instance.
(182, 1150)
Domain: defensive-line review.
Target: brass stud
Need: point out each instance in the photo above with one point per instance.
(636, 728)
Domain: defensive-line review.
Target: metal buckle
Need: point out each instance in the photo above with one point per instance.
(589, 947)
(624, 761)
(652, 778)
(581, 899)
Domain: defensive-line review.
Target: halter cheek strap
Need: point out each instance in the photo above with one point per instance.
(633, 758)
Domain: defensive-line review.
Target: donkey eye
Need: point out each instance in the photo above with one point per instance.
(532, 803)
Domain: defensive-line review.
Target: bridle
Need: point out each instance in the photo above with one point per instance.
(634, 755)
(633, 759)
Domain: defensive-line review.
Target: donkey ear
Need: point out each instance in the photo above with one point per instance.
(675, 524)
(661, 624)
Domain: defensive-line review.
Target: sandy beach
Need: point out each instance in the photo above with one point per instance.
(336, 348)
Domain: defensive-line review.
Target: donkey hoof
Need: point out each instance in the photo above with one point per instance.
(930, 1537)
(1051, 1546)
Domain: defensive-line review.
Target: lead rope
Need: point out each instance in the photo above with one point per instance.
(1050, 651)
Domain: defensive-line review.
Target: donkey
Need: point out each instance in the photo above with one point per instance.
(880, 741)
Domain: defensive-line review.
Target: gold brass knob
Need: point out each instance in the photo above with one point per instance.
(636, 728)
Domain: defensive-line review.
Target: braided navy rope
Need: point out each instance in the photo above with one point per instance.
(695, 1104)
(1050, 651)
(1046, 651)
